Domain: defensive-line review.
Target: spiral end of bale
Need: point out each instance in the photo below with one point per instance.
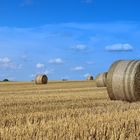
(41, 79)
(90, 78)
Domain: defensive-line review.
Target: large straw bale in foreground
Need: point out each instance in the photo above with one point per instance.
(101, 80)
(90, 77)
(123, 80)
(41, 79)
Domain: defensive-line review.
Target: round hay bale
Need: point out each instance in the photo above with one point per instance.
(41, 79)
(123, 80)
(90, 77)
(101, 80)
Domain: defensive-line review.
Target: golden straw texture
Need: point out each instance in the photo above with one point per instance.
(41, 79)
(101, 80)
(123, 81)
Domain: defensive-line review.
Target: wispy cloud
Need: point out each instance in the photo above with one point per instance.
(49, 72)
(7, 63)
(90, 62)
(87, 74)
(48, 45)
(56, 61)
(80, 47)
(5, 60)
(78, 68)
(40, 65)
(119, 47)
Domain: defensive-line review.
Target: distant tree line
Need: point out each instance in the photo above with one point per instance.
(5, 80)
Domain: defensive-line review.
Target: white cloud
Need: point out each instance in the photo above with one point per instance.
(78, 68)
(7, 63)
(39, 65)
(79, 47)
(35, 43)
(5, 60)
(56, 61)
(119, 47)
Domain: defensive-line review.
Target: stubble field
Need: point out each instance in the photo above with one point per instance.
(65, 110)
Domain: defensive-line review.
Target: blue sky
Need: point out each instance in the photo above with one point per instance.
(66, 39)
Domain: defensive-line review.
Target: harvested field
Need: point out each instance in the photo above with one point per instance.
(69, 110)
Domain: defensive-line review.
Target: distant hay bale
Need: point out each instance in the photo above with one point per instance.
(123, 80)
(64, 79)
(90, 77)
(41, 79)
(101, 80)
